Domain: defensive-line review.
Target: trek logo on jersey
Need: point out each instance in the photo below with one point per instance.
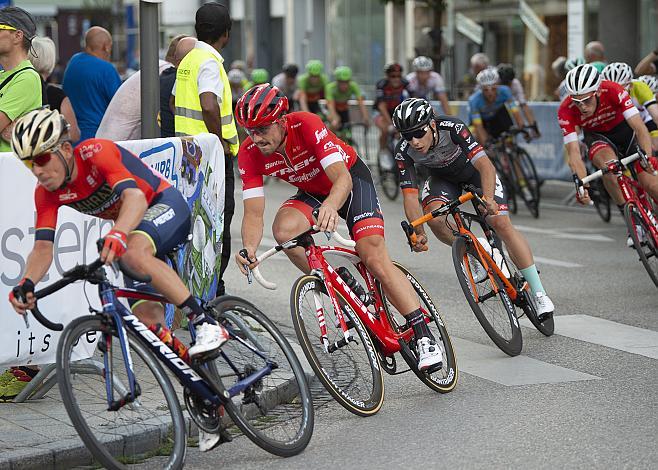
(89, 150)
(296, 168)
(68, 196)
(319, 135)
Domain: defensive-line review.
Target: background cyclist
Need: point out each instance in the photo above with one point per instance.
(338, 94)
(330, 177)
(425, 83)
(508, 78)
(311, 87)
(452, 156)
(492, 107)
(390, 92)
(286, 82)
(103, 179)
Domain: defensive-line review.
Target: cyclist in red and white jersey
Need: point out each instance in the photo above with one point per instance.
(611, 124)
(299, 149)
(103, 179)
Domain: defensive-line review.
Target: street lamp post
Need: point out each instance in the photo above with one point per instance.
(149, 78)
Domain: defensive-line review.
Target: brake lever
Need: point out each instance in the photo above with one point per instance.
(250, 276)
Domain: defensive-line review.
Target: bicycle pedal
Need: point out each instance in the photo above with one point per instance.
(434, 368)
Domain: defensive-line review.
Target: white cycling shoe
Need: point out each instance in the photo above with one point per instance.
(477, 270)
(543, 305)
(429, 353)
(209, 338)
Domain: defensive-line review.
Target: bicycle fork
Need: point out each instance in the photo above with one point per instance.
(322, 321)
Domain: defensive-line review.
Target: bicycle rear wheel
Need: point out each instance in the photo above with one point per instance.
(152, 423)
(527, 182)
(275, 412)
(644, 243)
(441, 380)
(351, 373)
(495, 312)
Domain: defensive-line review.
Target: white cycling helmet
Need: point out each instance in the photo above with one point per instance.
(572, 63)
(488, 77)
(422, 64)
(650, 80)
(37, 132)
(583, 79)
(618, 72)
(236, 76)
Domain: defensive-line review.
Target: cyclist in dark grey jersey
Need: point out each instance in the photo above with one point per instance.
(447, 149)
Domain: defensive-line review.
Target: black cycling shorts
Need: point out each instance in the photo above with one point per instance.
(438, 188)
(361, 211)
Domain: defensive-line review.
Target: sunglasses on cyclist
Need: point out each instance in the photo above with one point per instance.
(38, 160)
(418, 134)
(582, 101)
(259, 131)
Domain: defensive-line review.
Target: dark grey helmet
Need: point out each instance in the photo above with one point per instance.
(412, 114)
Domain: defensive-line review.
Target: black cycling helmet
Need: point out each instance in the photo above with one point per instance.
(291, 70)
(506, 73)
(412, 114)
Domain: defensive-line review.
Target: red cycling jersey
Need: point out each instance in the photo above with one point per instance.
(310, 148)
(615, 105)
(104, 170)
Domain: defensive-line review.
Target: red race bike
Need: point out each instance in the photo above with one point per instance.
(349, 334)
(639, 213)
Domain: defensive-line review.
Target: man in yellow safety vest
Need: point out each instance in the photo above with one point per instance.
(203, 103)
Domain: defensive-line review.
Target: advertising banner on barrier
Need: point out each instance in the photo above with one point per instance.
(194, 165)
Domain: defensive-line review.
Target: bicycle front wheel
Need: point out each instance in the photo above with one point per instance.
(444, 379)
(153, 422)
(527, 181)
(276, 411)
(351, 373)
(495, 312)
(390, 183)
(643, 241)
(601, 199)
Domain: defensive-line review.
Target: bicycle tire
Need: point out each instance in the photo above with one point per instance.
(512, 343)
(339, 382)
(390, 183)
(648, 259)
(529, 171)
(123, 442)
(445, 379)
(601, 200)
(256, 421)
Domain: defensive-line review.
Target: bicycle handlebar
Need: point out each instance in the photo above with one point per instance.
(255, 272)
(77, 273)
(599, 173)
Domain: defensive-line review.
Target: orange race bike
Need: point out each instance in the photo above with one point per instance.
(349, 331)
(494, 298)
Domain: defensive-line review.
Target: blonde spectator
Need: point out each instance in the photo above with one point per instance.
(43, 56)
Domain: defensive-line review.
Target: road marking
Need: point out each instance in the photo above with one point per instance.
(557, 262)
(488, 362)
(607, 333)
(590, 237)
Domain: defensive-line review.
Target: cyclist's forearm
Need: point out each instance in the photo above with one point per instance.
(443, 98)
(529, 116)
(252, 232)
(412, 209)
(341, 186)
(487, 176)
(518, 118)
(303, 103)
(364, 112)
(642, 133)
(575, 160)
(133, 207)
(39, 260)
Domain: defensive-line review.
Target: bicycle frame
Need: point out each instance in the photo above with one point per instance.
(378, 324)
(633, 192)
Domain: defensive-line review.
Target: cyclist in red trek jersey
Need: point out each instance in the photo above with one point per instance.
(103, 179)
(299, 149)
(611, 125)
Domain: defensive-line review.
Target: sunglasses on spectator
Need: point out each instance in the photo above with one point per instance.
(582, 101)
(259, 131)
(418, 134)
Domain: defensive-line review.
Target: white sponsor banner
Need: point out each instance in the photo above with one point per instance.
(469, 28)
(195, 166)
(533, 22)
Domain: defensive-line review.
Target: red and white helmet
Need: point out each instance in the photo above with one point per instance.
(260, 105)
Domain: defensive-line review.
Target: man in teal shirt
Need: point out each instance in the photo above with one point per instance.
(20, 84)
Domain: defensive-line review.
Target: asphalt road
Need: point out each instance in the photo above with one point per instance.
(583, 398)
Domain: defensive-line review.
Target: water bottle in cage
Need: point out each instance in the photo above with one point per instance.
(353, 284)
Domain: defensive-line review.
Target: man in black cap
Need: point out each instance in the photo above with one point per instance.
(20, 92)
(20, 85)
(203, 103)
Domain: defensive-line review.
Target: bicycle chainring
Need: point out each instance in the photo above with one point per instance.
(207, 417)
